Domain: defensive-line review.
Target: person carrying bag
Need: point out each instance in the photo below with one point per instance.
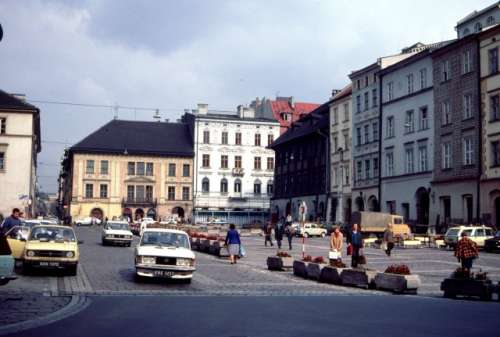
(336, 243)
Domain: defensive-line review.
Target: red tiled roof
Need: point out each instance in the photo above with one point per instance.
(299, 108)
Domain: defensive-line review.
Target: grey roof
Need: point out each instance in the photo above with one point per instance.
(8, 101)
(476, 13)
(138, 138)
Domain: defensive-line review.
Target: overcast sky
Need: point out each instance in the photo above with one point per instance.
(172, 55)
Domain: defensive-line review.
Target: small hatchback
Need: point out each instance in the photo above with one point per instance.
(478, 234)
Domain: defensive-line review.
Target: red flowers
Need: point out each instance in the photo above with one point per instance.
(307, 258)
(283, 254)
(401, 269)
(319, 259)
(337, 264)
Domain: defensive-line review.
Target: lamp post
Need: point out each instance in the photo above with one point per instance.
(341, 185)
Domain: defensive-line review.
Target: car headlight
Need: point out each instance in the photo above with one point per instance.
(185, 262)
(30, 253)
(148, 259)
(70, 254)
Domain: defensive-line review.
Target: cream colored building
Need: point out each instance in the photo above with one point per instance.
(19, 147)
(489, 48)
(129, 168)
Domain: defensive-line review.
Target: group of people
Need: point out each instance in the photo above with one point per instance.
(281, 229)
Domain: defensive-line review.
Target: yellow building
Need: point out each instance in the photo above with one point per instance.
(129, 168)
(489, 48)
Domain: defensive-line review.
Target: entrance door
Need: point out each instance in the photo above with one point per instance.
(468, 208)
(446, 209)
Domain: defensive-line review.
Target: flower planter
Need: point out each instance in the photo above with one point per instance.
(467, 287)
(314, 270)
(331, 275)
(397, 283)
(362, 278)
(279, 263)
(300, 268)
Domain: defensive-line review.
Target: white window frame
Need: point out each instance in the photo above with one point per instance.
(389, 164)
(409, 160)
(409, 78)
(466, 62)
(445, 113)
(446, 155)
(467, 106)
(409, 121)
(423, 78)
(390, 126)
(423, 162)
(468, 151)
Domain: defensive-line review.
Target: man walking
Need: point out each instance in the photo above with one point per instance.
(466, 251)
(268, 230)
(11, 221)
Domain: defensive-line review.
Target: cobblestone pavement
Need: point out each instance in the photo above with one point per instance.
(109, 270)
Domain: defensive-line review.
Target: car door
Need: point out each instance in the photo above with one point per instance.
(479, 236)
(16, 241)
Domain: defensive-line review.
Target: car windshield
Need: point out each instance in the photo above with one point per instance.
(398, 221)
(50, 233)
(117, 225)
(452, 232)
(164, 239)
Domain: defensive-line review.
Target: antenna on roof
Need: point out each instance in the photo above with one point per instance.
(157, 115)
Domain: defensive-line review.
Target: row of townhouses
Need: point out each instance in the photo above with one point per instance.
(416, 133)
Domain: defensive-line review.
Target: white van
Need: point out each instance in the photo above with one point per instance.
(476, 233)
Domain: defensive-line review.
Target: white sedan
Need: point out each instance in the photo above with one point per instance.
(88, 221)
(117, 232)
(164, 253)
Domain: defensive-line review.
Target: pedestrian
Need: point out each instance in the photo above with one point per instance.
(11, 221)
(268, 230)
(289, 232)
(356, 241)
(336, 242)
(233, 243)
(289, 219)
(388, 240)
(466, 251)
(278, 233)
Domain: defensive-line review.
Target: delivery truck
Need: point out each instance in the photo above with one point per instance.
(375, 223)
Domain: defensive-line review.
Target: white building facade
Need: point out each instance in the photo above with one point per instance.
(19, 146)
(407, 143)
(233, 168)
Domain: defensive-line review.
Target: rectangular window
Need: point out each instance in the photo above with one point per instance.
(446, 155)
(346, 112)
(237, 138)
(367, 169)
(103, 191)
(367, 99)
(185, 193)
(257, 139)
(149, 192)
(171, 193)
(367, 134)
(206, 160)
(423, 78)
(467, 105)
(335, 116)
(89, 169)
(493, 61)
(375, 167)
(224, 138)
(445, 71)
(390, 91)
(206, 137)
(130, 192)
(409, 79)
(468, 145)
(270, 163)
(494, 108)
(3, 126)
(140, 168)
(423, 121)
(359, 170)
(347, 143)
(374, 98)
(171, 170)
(256, 163)
(2, 161)
(358, 136)
(237, 161)
(131, 168)
(390, 127)
(270, 139)
(149, 169)
(358, 104)
(224, 161)
(139, 193)
(409, 161)
(389, 164)
(422, 159)
(186, 170)
(495, 153)
(375, 131)
(89, 191)
(346, 175)
(466, 62)
(269, 189)
(104, 167)
(445, 113)
(409, 122)
(256, 188)
(335, 143)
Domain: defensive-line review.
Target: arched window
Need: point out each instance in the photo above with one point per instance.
(490, 21)
(237, 186)
(205, 185)
(478, 27)
(257, 187)
(270, 187)
(223, 186)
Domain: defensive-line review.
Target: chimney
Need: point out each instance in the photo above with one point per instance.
(335, 92)
(291, 101)
(202, 109)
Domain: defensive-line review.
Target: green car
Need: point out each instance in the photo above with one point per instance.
(6, 262)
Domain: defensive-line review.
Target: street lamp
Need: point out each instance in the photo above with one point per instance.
(341, 186)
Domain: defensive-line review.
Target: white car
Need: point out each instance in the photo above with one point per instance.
(88, 221)
(164, 253)
(478, 234)
(117, 232)
(311, 229)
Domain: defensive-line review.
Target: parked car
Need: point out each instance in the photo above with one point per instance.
(478, 234)
(310, 229)
(88, 221)
(16, 238)
(53, 247)
(493, 244)
(6, 262)
(117, 232)
(164, 253)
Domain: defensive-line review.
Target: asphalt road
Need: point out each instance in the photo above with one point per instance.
(290, 316)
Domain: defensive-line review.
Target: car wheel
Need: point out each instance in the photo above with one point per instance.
(306, 235)
(104, 243)
(138, 278)
(448, 294)
(72, 270)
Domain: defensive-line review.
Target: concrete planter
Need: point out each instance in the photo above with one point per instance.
(362, 278)
(213, 247)
(300, 268)
(407, 284)
(314, 270)
(331, 275)
(205, 245)
(279, 263)
(467, 287)
(197, 244)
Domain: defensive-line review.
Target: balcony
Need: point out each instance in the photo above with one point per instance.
(139, 202)
(238, 172)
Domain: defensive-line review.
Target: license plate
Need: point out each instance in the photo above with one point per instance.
(164, 273)
(49, 264)
(44, 264)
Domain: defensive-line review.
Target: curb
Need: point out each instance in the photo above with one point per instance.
(77, 304)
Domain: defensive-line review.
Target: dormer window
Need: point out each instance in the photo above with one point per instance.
(478, 27)
(490, 21)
